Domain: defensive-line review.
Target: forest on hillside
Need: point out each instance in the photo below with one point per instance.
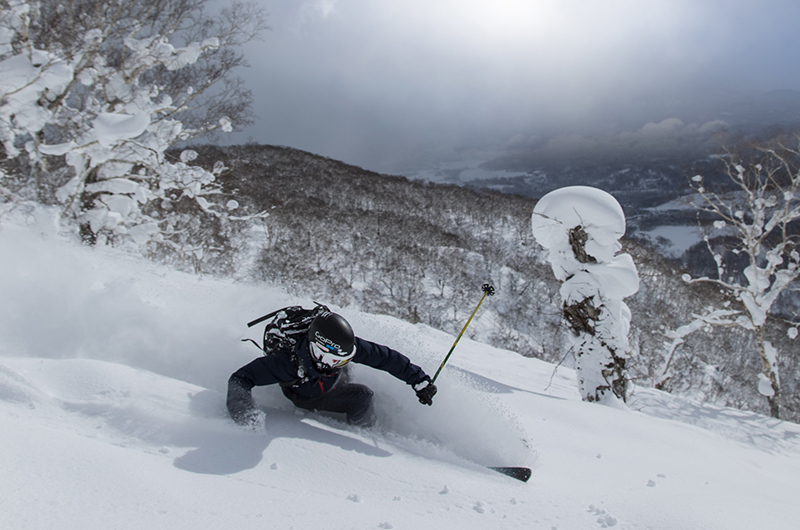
(420, 251)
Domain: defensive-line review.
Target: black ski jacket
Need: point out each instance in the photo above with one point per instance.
(296, 373)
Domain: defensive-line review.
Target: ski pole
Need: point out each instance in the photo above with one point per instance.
(487, 290)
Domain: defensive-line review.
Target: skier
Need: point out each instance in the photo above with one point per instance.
(313, 375)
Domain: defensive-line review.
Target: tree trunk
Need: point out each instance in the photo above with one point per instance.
(88, 236)
(599, 368)
(769, 367)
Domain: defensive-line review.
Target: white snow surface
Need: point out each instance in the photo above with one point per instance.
(112, 379)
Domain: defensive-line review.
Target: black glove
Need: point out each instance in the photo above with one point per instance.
(241, 406)
(425, 392)
(253, 419)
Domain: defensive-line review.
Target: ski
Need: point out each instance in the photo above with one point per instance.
(519, 473)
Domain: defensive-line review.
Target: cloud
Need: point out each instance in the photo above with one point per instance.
(671, 137)
(371, 82)
(321, 8)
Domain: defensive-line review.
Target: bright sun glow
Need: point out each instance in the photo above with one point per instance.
(510, 17)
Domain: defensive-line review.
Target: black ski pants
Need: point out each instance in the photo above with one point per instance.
(352, 399)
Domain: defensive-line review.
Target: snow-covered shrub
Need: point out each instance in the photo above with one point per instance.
(581, 227)
(106, 88)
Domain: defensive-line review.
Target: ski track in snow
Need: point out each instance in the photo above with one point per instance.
(112, 381)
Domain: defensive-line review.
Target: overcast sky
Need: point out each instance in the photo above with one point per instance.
(393, 84)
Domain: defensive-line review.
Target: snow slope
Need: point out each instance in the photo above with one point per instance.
(112, 380)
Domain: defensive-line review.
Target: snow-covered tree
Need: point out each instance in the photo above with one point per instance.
(107, 87)
(580, 227)
(757, 224)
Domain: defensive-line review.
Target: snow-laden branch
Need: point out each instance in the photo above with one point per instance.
(712, 318)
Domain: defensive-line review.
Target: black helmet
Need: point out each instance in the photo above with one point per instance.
(331, 341)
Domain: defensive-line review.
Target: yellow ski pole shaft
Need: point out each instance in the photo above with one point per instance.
(487, 290)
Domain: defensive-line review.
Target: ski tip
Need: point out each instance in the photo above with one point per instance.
(519, 473)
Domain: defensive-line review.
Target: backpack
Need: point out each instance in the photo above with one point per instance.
(285, 327)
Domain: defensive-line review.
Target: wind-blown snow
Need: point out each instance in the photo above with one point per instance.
(112, 379)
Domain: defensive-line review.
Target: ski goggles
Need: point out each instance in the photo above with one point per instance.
(330, 357)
